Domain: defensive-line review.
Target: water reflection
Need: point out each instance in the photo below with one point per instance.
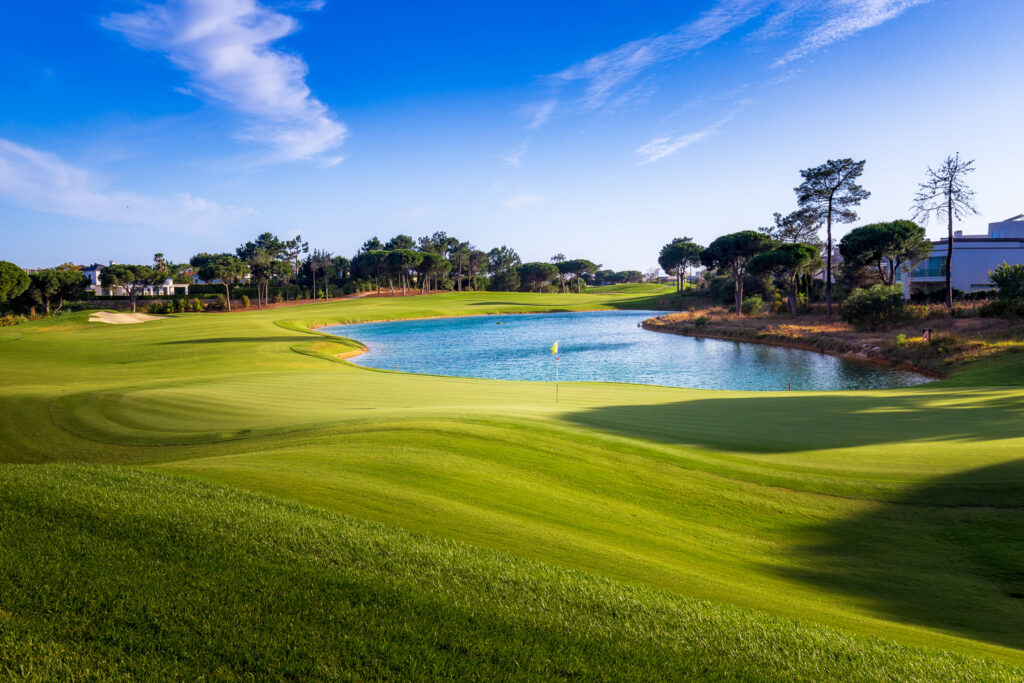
(606, 346)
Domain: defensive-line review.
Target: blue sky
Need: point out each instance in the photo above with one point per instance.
(600, 129)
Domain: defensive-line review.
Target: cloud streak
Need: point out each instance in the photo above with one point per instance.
(847, 19)
(540, 113)
(659, 148)
(225, 47)
(814, 24)
(515, 157)
(42, 181)
(606, 73)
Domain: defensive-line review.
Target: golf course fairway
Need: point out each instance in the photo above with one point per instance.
(345, 522)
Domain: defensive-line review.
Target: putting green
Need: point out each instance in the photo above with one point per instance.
(891, 513)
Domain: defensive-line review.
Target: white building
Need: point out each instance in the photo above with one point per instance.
(973, 257)
(167, 288)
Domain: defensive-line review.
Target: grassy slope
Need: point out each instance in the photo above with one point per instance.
(892, 513)
(113, 574)
(633, 288)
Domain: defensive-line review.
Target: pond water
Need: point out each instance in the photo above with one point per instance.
(604, 346)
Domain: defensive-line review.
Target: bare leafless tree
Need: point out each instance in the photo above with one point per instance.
(945, 194)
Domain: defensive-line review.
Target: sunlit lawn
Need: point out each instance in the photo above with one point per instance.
(888, 513)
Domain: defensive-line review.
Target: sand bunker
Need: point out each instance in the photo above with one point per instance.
(121, 318)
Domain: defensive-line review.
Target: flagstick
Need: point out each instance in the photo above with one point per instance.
(556, 379)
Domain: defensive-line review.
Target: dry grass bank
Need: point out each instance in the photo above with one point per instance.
(953, 340)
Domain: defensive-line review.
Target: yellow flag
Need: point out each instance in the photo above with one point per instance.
(554, 348)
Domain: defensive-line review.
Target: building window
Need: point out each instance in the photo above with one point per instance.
(935, 266)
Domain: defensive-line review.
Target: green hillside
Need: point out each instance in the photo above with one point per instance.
(633, 288)
(113, 574)
(891, 514)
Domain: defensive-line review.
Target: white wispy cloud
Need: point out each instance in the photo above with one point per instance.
(845, 19)
(225, 46)
(659, 148)
(606, 73)
(539, 113)
(42, 181)
(812, 24)
(515, 157)
(522, 200)
(536, 115)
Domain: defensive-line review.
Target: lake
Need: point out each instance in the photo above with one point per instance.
(603, 346)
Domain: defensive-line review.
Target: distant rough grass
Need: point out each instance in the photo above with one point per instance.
(112, 574)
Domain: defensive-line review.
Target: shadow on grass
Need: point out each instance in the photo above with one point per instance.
(948, 555)
(802, 422)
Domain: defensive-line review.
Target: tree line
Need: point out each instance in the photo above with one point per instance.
(787, 254)
(791, 251)
(402, 263)
(49, 288)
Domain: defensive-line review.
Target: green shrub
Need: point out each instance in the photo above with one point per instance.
(12, 319)
(962, 312)
(874, 308)
(901, 340)
(197, 305)
(245, 301)
(1002, 309)
(278, 298)
(238, 290)
(180, 305)
(721, 289)
(220, 303)
(1010, 281)
(947, 343)
(981, 295)
(917, 312)
(700, 322)
(752, 305)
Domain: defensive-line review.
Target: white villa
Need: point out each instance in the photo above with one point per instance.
(973, 257)
(167, 288)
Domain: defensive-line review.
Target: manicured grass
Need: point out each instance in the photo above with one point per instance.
(114, 574)
(633, 288)
(890, 513)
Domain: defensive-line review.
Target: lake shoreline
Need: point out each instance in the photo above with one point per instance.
(646, 361)
(471, 315)
(353, 353)
(666, 325)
